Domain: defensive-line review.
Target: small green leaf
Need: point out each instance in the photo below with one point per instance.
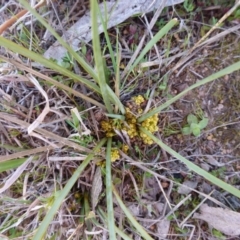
(70, 123)
(117, 181)
(75, 120)
(65, 65)
(203, 123)
(84, 49)
(186, 131)
(192, 119)
(162, 86)
(188, 5)
(218, 234)
(196, 130)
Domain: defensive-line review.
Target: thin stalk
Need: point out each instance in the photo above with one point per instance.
(80, 60)
(101, 78)
(110, 212)
(130, 217)
(154, 40)
(61, 195)
(116, 100)
(47, 63)
(191, 166)
(223, 72)
(109, 45)
(103, 217)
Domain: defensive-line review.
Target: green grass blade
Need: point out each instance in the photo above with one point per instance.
(221, 73)
(63, 193)
(116, 100)
(117, 75)
(98, 57)
(103, 217)
(80, 60)
(154, 40)
(109, 45)
(53, 82)
(191, 166)
(14, 163)
(130, 217)
(110, 212)
(86, 207)
(47, 63)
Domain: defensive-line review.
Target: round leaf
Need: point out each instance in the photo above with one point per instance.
(186, 131)
(192, 119)
(196, 130)
(203, 123)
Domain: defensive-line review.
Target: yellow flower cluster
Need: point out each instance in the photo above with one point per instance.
(149, 124)
(107, 127)
(131, 120)
(138, 100)
(131, 130)
(130, 125)
(114, 155)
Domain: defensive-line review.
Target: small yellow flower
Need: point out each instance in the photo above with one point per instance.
(125, 148)
(114, 155)
(149, 124)
(138, 99)
(106, 126)
(110, 134)
(101, 163)
(132, 130)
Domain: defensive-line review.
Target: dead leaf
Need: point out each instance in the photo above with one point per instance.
(42, 115)
(152, 187)
(224, 220)
(46, 109)
(214, 162)
(163, 227)
(96, 187)
(14, 177)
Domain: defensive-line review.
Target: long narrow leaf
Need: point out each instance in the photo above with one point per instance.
(110, 212)
(109, 45)
(47, 63)
(98, 57)
(191, 166)
(154, 40)
(232, 68)
(130, 217)
(80, 60)
(54, 82)
(63, 193)
(117, 75)
(103, 217)
(14, 163)
(116, 100)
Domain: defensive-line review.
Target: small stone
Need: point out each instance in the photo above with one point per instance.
(226, 77)
(187, 187)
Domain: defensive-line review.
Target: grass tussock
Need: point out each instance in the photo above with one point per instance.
(127, 137)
